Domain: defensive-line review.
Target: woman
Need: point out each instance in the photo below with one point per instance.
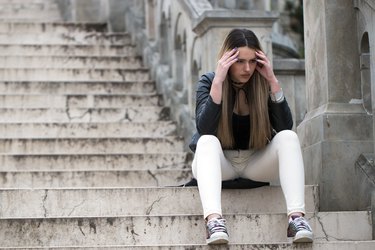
(244, 130)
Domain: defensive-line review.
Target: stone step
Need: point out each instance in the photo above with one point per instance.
(66, 50)
(83, 202)
(66, 38)
(52, 115)
(342, 245)
(92, 146)
(70, 62)
(174, 229)
(34, 5)
(79, 101)
(87, 130)
(37, 74)
(100, 162)
(77, 88)
(94, 178)
(2, 2)
(50, 27)
(29, 12)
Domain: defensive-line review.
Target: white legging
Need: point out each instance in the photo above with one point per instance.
(280, 160)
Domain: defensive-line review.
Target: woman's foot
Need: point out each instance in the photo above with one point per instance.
(299, 229)
(217, 231)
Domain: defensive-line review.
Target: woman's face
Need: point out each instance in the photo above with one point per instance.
(243, 69)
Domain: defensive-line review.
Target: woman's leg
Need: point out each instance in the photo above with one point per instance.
(282, 159)
(210, 167)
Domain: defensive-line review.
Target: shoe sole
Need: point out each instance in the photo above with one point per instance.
(303, 237)
(218, 238)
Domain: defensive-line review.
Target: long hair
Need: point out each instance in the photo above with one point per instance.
(257, 91)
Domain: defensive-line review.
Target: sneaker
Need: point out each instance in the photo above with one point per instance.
(300, 230)
(217, 231)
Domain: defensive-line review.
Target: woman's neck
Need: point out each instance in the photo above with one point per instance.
(241, 104)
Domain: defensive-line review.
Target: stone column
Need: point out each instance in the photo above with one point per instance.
(336, 128)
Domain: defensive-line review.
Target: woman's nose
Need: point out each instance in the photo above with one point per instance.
(247, 67)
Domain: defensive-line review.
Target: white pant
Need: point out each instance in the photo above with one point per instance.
(280, 160)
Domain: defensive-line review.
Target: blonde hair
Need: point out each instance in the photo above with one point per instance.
(257, 91)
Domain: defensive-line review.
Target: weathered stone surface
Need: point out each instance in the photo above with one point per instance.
(176, 229)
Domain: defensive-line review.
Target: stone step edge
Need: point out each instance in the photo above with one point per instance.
(138, 95)
(198, 216)
(75, 69)
(52, 56)
(138, 188)
(76, 82)
(102, 46)
(251, 246)
(86, 154)
(85, 171)
(91, 26)
(173, 138)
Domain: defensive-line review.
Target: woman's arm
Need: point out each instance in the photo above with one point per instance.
(207, 111)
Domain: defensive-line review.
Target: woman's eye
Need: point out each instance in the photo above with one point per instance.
(240, 61)
(253, 61)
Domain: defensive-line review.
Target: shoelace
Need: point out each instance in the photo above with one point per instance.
(216, 225)
(300, 223)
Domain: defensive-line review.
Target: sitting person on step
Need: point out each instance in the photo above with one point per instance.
(244, 127)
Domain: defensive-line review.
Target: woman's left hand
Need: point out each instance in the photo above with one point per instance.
(265, 69)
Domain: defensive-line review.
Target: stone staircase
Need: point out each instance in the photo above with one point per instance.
(89, 156)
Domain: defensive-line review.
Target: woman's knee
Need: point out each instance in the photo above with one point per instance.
(207, 141)
(286, 136)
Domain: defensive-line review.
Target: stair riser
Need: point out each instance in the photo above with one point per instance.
(70, 62)
(155, 201)
(141, 114)
(77, 88)
(90, 146)
(104, 162)
(87, 130)
(77, 101)
(94, 179)
(74, 75)
(66, 50)
(252, 228)
(56, 28)
(65, 39)
(27, 15)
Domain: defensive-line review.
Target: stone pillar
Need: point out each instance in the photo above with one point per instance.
(336, 128)
(213, 26)
(90, 10)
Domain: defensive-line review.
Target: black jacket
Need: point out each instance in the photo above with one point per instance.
(208, 113)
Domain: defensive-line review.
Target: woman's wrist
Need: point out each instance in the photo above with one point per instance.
(276, 92)
(277, 96)
(274, 86)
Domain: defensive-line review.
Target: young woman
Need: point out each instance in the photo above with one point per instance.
(244, 130)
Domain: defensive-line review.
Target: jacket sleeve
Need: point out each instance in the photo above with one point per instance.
(207, 113)
(280, 115)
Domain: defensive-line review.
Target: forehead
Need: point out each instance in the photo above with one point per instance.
(246, 52)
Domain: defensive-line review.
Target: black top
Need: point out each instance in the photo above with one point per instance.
(241, 131)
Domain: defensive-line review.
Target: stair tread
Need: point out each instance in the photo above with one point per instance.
(342, 245)
(154, 200)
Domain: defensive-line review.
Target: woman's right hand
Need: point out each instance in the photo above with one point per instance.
(224, 64)
(221, 72)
